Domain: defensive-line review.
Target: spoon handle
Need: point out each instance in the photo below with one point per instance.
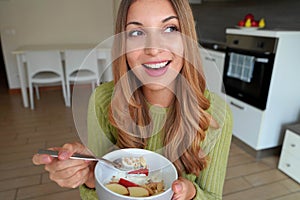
(74, 156)
(80, 157)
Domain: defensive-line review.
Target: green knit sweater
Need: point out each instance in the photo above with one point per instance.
(209, 184)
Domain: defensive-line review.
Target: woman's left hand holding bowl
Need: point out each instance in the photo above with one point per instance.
(183, 189)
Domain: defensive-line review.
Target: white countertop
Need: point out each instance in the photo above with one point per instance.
(262, 32)
(59, 47)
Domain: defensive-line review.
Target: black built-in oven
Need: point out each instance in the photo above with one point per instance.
(248, 68)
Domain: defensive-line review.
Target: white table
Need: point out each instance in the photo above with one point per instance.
(102, 54)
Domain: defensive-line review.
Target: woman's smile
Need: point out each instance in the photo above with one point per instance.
(156, 69)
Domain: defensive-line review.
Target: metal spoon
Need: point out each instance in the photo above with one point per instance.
(116, 163)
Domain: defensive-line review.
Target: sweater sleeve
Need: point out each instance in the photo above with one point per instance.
(87, 193)
(100, 133)
(209, 184)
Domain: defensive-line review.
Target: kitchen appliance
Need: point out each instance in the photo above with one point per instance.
(261, 80)
(248, 68)
(195, 1)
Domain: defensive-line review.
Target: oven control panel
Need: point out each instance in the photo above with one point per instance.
(252, 43)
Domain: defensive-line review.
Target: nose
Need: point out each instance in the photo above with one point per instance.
(152, 46)
(151, 51)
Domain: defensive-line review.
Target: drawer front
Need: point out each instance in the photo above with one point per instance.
(246, 122)
(290, 165)
(292, 143)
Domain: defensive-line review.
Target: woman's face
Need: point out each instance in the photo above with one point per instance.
(153, 43)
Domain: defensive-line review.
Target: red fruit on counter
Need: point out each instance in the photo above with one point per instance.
(249, 16)
(127, 183)
(254, 23)
(241, 23)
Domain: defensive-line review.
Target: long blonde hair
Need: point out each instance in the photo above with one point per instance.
(182, 145)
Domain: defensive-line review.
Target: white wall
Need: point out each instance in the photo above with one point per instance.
(27, 22)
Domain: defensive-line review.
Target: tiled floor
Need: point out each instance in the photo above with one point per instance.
(24, 131)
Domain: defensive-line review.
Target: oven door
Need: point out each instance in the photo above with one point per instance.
(247, 76)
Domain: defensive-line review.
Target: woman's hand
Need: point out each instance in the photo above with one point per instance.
(183, 189)
(68, 172)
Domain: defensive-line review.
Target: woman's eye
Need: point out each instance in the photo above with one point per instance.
(171, 29)
(135, 33)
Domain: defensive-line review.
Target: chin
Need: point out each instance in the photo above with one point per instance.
(158, 87)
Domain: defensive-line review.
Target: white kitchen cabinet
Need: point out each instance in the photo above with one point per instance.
(262, 130)
(213, 66)
(247, 121)
(289, 161)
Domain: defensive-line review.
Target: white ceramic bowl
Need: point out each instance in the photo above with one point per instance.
(104, 173)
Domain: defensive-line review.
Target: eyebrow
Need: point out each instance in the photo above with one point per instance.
(163, 21)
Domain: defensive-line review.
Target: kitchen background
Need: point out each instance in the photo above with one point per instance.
(214, 16)
(23, 131)
(92, 21)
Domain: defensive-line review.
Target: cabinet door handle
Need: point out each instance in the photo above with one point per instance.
(210, 59)
(288, 165)
(236, 105)
(293, 145)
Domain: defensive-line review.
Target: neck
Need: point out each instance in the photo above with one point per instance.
(162, 98)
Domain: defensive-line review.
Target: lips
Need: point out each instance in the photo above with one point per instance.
(156, 65)
(156, 69)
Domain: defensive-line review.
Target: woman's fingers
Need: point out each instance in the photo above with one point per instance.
(76, 179)
(69, 149)
(65, 172)
(41, 159)
(76, 147)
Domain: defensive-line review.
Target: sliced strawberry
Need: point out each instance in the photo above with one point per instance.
(140, 171)
(127, 183)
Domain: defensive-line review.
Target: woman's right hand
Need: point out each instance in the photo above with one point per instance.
(67, 172)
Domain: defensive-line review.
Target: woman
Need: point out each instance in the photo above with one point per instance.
(158, 101)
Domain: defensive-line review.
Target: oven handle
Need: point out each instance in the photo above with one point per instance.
(236, 105)
(209, 59)
(262, 60)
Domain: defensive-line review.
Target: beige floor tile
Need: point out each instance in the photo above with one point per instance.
(72, 195)
(271, 161)
(15, 156)
(235, 150)
(50, 132)
(48, 138)
(21, 172)
(19, 182)
(16, 164)
(39, 190)
(291, 185)
(235, 185)
(7, 137)
(246, 169)
(8, 194)
(264, 192)
(20, 148)
(239, 159)
(45, 178)
(265, 177)
(293, 196)
(12, 142)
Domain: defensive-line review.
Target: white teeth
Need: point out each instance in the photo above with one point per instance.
(157, 65)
